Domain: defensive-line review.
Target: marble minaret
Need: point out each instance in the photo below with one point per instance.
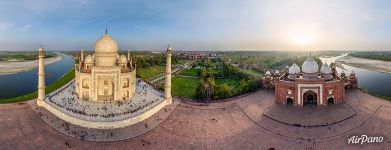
(167, 85)
(41, 77)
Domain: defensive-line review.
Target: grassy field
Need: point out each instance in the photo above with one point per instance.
(252, 73)
(50, 88)
(185, 87)
(146, 73)
(181, 61)
(190, 72)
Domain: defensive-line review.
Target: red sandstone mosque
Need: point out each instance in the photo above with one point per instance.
(309, 85)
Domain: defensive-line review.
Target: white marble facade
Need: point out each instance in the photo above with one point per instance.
(105, 75)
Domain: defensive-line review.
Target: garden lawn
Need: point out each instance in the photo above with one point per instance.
(190, 72)
(181, 61)
(253, 73)
(185, 87)
(146, 73)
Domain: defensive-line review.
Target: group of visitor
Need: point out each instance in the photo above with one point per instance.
(67, 99)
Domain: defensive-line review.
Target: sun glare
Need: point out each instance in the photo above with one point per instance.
(302, 39)
(300, 36)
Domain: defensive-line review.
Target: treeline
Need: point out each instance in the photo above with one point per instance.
(153, 60)
(386, 56)
(209, 90)
(23, 56)
(263, 63)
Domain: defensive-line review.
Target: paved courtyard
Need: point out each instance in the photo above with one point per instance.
(309, 115)
(237, 124)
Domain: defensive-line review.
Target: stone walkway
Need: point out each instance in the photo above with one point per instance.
(237, 124)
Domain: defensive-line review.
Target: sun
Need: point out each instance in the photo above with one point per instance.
(302, 36)
(302, 39)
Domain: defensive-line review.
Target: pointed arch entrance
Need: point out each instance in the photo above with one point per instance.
(106, 90)
(289, 101)
(310, 97)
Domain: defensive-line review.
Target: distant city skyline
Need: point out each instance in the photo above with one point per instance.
(197, 24)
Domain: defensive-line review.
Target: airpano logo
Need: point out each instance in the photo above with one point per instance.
(365, 139)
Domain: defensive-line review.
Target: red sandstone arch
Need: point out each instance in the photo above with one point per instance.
(310, 97)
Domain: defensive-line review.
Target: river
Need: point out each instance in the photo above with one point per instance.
(12, 85)
(372, 81)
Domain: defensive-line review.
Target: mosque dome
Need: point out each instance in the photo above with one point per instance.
(325, 69)
(310, 66)
(106, 44)
(294, 69)
(268, 73)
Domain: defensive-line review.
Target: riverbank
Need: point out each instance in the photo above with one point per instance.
(50, 88)
(374, 65)
(10, 67)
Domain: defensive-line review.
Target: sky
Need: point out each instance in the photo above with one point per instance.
(197, 24)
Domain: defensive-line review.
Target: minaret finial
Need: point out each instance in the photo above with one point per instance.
(106, 30)
(169, 47)
(310, 53)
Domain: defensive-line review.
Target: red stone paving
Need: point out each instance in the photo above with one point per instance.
(237, 124)
(309, 115)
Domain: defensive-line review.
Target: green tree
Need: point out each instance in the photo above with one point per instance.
(223, 91)
(201, 91)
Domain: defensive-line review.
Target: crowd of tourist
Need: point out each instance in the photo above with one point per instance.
(67, 100)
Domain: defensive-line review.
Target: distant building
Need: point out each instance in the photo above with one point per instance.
(196, 55)
(309, 85)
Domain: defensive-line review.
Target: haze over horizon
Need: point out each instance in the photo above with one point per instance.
(197, 24)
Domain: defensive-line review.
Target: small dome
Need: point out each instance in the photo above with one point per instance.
(294, 69)
(123, 59)
(268, 73)
(89, 59)
(325, 69)
(106, 44)
(277, 72)
(310, 66)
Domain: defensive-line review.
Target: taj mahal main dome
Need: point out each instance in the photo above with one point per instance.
(106, 49)
(106, 44)
(105, 75)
